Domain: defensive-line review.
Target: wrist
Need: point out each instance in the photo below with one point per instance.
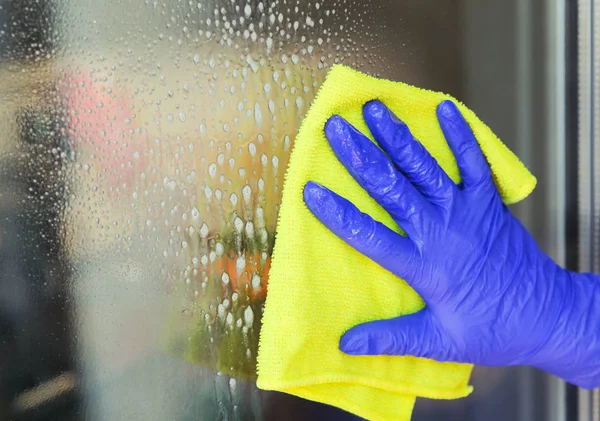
(551, 293)
(571, 349)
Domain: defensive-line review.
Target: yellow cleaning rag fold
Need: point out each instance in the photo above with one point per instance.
(319, 287)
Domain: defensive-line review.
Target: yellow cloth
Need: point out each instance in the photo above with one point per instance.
(319, 287)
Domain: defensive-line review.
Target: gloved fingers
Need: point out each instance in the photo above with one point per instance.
(371, 238)
(374, 171)
(409, 155)
(474, 169)
(415, 334)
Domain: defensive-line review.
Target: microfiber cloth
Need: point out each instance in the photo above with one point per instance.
(319, 287)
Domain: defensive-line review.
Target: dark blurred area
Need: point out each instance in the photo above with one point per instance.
(28, 24)
(37, 366)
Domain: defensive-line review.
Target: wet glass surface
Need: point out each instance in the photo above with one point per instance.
(142, 155)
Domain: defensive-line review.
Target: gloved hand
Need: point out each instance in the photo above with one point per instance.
(492, 296)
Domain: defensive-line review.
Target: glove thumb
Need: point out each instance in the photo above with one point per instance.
(415, 334)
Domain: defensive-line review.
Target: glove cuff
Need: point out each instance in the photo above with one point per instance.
(572, 351)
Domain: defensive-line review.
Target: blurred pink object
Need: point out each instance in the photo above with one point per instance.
(102, 122)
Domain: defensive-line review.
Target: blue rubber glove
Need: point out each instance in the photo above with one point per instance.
(492, 296)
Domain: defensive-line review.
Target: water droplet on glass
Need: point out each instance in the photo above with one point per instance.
(212, 170)
(249, 229)
(257, 114)
(256, 280)
(248, 316)
(219, 249)
(247, 193)
(253, 65)
(240, 263)
(204, 230)
(238, 224)
(225, 278)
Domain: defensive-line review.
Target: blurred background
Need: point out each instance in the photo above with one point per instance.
(142, 151)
